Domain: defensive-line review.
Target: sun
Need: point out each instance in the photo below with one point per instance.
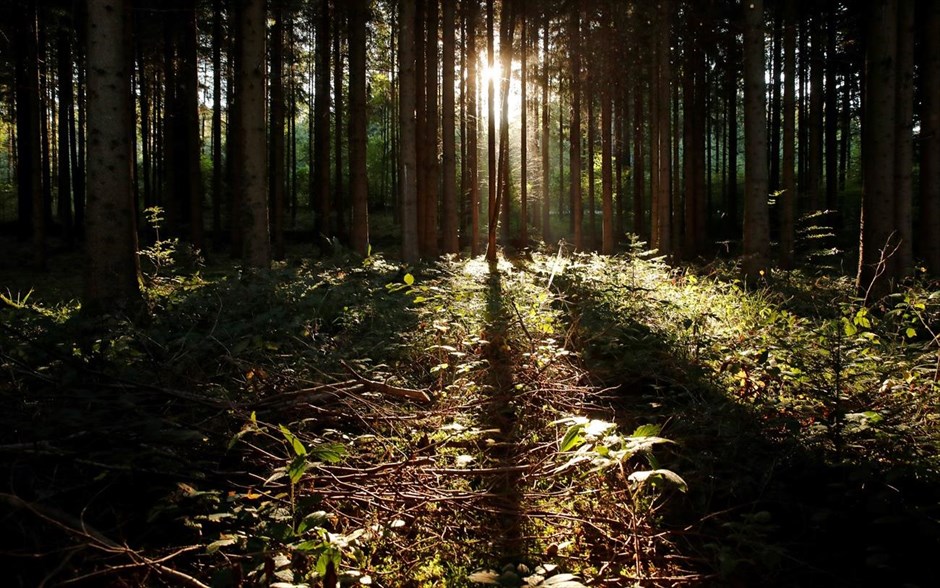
(493, 74)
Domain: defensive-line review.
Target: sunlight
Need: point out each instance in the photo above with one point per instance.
(493, 74)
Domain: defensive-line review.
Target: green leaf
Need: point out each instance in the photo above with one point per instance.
(910, 332)
(409, 279)
(329, 452)
(223, 542)
(647, 430)
(848, 327)
(296, 444)
(572, 438)
(643, 476)
(297, 468)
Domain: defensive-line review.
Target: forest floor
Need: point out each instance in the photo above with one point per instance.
(555, 419)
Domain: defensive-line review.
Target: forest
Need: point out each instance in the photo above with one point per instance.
(414, 293)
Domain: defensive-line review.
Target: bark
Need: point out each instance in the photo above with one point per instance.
(338, 192)
(731, 187)
(607, 179)
(64, 50)
(904, 137)
(816, 130)
(523, 141)
(323, 219)
(111, 268)
(451, 242)
(788, 198)
(407, 91)
(276, 143)
(504, 186)
(189, 98)
(491, 178)
(574, 145)
(662, 136)
(832, 115)
(639, 172)
(29, 137)
(216, 123)
(472, 163)
(930, 147)
(546, 135)
(756, 213)
(250, 88)
(429, 163)
(878, 238)
(358, 179)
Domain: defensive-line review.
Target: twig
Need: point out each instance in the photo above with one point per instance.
(388, 389)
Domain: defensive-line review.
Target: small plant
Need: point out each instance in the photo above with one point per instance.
(162, 253)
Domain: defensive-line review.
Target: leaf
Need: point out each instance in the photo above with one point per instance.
(409, 279)
(849, 328)
(563, 581)
(223, 542)
(329, 452)
(647, 430)
(297, 468)
(642, 476)
(298, 447)
(484, 577)
(910, 332)
(572, 438)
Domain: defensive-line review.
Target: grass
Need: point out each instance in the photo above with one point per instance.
(602, 421)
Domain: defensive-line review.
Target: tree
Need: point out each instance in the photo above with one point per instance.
(276, 144)
(878, 238)
(358, 180)
(111, 270)
(904, 146)
(472, 162)
(250, 88)
(29, 133)
(407, 80)
(493, 212)
(320, 190)
(756, 212)
(788, 198)
(574, 37)
(448, 130)
(930, 137)
(607, 180)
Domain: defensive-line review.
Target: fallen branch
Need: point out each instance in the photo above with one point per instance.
(388, 389)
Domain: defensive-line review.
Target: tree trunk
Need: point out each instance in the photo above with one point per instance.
(504, 186)
(546, 136)
(832, 115)
(930, 146)
(358, 120)
(338, 192)
(451, 241)
(216, 124)
(250, 89)
(189, 98)
(639, 158)
(904, 137)
(29, 137)
(574, 134)
(878, 238)
(430, 167)
(788, 198)
(472, 164)
(731, 196)
(64, 50)
(756, 213)
(111, 267)
(406, 112)
(276, 143)
(816, 130)
(491, 178)
(607, 179)
(323, 224)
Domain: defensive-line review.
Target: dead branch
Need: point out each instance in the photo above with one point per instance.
(388, 389)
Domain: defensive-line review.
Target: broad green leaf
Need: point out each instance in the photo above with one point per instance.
(572, 438)
(298, 447)
(849, 327)
(647, 430)
(910, 332)
(329, 452)
(409, 279)
(643, 476)
(226, 540)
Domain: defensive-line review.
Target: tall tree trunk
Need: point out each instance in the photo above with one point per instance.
(339, 193)
(904, 137)
(29, 136)
(64, 50)
(639, 159)
(504, 186)
(662, 136)
(276, 143)
(111, 265)
(775, 109)
(574, 134)
(473, 151)
(878, 238)
(607, 179)
(731, 187)
(832, 115)
(430, 167)
(756, 213)
(407, 77)
(546, 136)
(491, 179)
(250, 89)
(930, 146)
(523, 138)
(77, 135)
(358, 178)
(451, 242)
(216, 123)
(788, 198)
(324, 226)
(816, 130)
(189, 98)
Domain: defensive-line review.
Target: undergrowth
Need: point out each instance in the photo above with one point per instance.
(591, 421)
